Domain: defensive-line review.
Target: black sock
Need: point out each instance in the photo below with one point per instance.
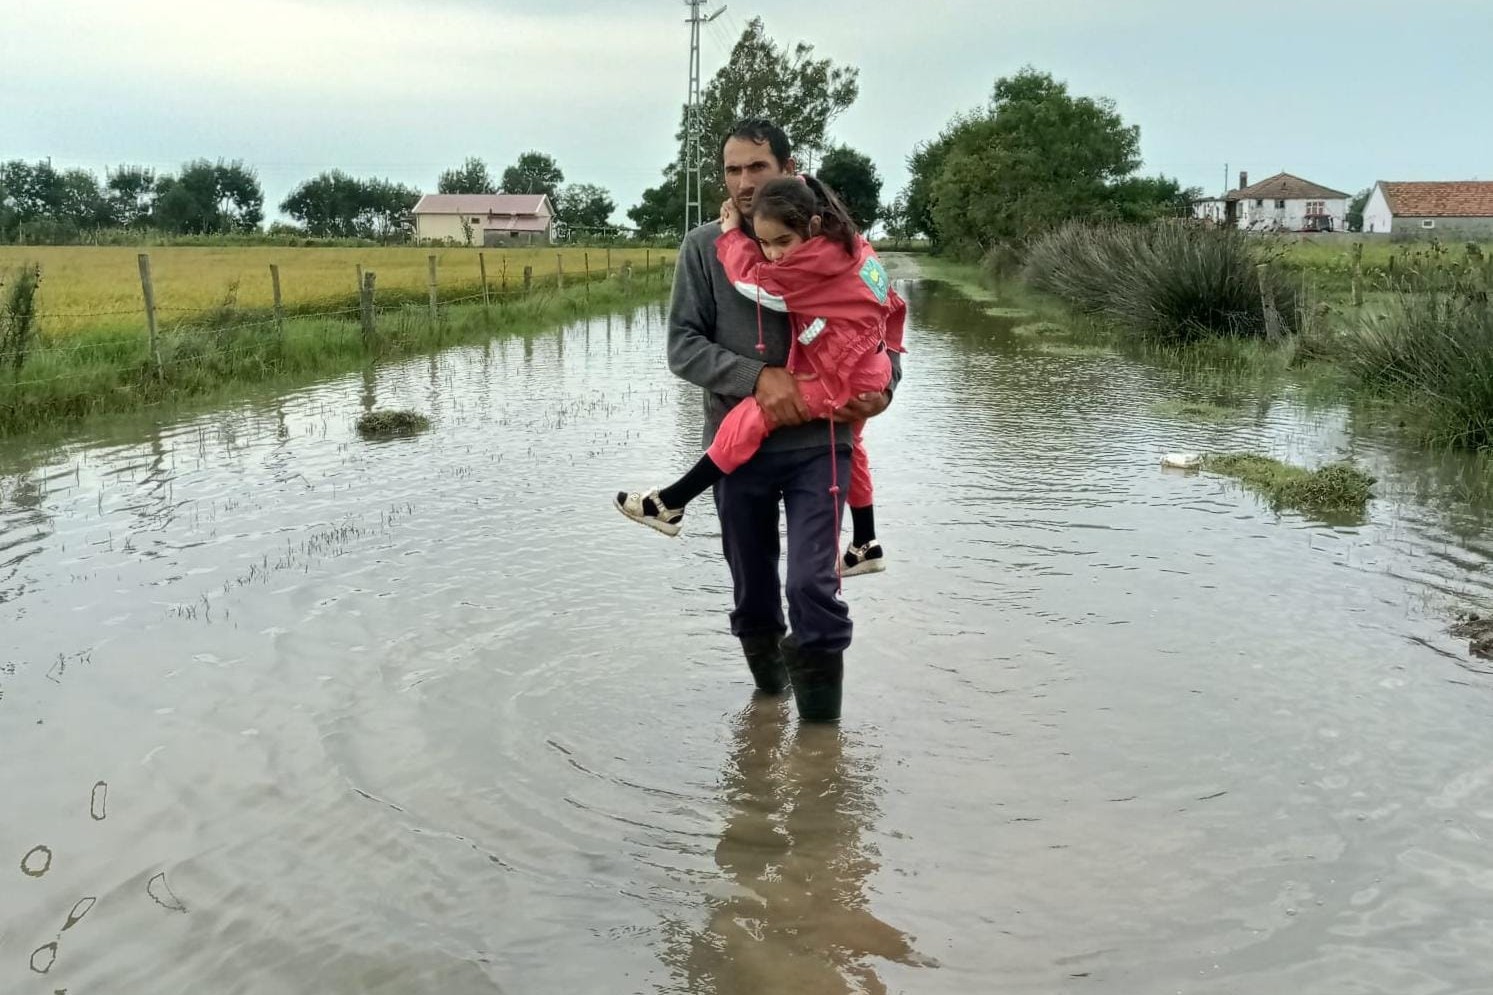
(863, 521)
(701, 477)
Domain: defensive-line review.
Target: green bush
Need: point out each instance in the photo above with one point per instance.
(1435, 350)
(1167, 282)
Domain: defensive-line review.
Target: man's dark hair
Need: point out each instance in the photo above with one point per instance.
(759, 129)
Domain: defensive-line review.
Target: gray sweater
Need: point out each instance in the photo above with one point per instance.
(713, 341)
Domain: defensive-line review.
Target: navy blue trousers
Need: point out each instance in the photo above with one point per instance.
(747, 503)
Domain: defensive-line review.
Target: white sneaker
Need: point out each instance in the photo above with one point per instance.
(635, 506)
(867, 559)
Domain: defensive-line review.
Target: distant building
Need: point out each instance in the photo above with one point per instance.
(495, 219)
(1209, 209)
(1285, 202)
(1463, 208)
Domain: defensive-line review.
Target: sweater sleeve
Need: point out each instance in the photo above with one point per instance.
(694, 355)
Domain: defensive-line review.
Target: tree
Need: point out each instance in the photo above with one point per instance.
(585, 205)
(853, 176)
(534, 172)
(1037, 157)
(1354, 219)
(240, 198)
(800, 94)
(209, 197)
(925, 164)
(32, 192)
(661, 212)
(130, 189)
(336, 205)
(1148, 198)
(327, 205)
(470, 177)
(897, 220)
(80, 202)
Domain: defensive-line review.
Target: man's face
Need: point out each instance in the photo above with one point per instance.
(748, 165)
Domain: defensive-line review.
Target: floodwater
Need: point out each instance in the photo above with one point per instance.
(285, 711)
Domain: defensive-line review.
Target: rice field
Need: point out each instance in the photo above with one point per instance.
(96, 287)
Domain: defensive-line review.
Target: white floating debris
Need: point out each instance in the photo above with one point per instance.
(1182, 461)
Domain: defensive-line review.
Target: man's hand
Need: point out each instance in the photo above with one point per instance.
(863, 406)
(730, 216)
(777, 393)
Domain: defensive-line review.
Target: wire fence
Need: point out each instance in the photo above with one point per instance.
(174, 339)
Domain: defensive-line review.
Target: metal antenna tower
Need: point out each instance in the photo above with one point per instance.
(694, 126)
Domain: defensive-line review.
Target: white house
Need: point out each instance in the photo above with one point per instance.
(1286, 202)
(1210, 209)
(493, 219)
(1461, 208)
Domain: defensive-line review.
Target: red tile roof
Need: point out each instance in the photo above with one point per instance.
(1284, 186)
(480, 203)
(1456, 199)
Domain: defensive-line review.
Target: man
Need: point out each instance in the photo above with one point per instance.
(713, 343)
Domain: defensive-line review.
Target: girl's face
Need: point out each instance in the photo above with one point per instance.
(778, 241)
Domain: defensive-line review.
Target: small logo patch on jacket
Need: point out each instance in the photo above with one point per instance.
(876, 278)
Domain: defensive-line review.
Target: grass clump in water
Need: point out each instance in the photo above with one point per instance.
(1167, 283)
(380, 424)
(1335, 487)
(1433, 351)
(1040, 329)
(1193, 410)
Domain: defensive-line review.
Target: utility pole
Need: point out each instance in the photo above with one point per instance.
(693, 125)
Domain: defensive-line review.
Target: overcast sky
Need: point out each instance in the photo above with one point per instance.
(1340, 92)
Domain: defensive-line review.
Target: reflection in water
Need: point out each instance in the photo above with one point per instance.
(796, 917)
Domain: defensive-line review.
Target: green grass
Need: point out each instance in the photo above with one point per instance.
(1203, 411)
(1432, 352)
(1336, 488)
(1167, 282)
(1041, 330)
(377, 424)
(94, 373)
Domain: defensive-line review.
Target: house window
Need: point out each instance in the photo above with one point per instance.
(1259, 203)
(1428, 223)
(1280, 205)
(1315, 207)
(476, 221)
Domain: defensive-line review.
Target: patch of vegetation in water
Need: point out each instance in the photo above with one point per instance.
(1193, 410)
(1331, 489)
(996, 311)
(1041, 329)
(1074, 349)
(383, 424)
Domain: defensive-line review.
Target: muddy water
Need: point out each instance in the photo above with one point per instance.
(285, 711)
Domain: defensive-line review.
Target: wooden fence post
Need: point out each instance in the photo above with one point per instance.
(647, 263)
(148, 289)
(505, 276)
(279, 308)
(528, 280)
(365, 305)
(1358, 274)
(435, 300)
(482, 267)
(1267, 304)
(559, 271)
(609, 262)
(586, 259)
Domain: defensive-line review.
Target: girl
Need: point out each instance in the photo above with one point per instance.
(845, 317)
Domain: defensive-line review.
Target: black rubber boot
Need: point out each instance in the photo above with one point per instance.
(817, 677)
(765, 659)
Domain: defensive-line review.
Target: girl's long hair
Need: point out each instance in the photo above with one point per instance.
(793, 202)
